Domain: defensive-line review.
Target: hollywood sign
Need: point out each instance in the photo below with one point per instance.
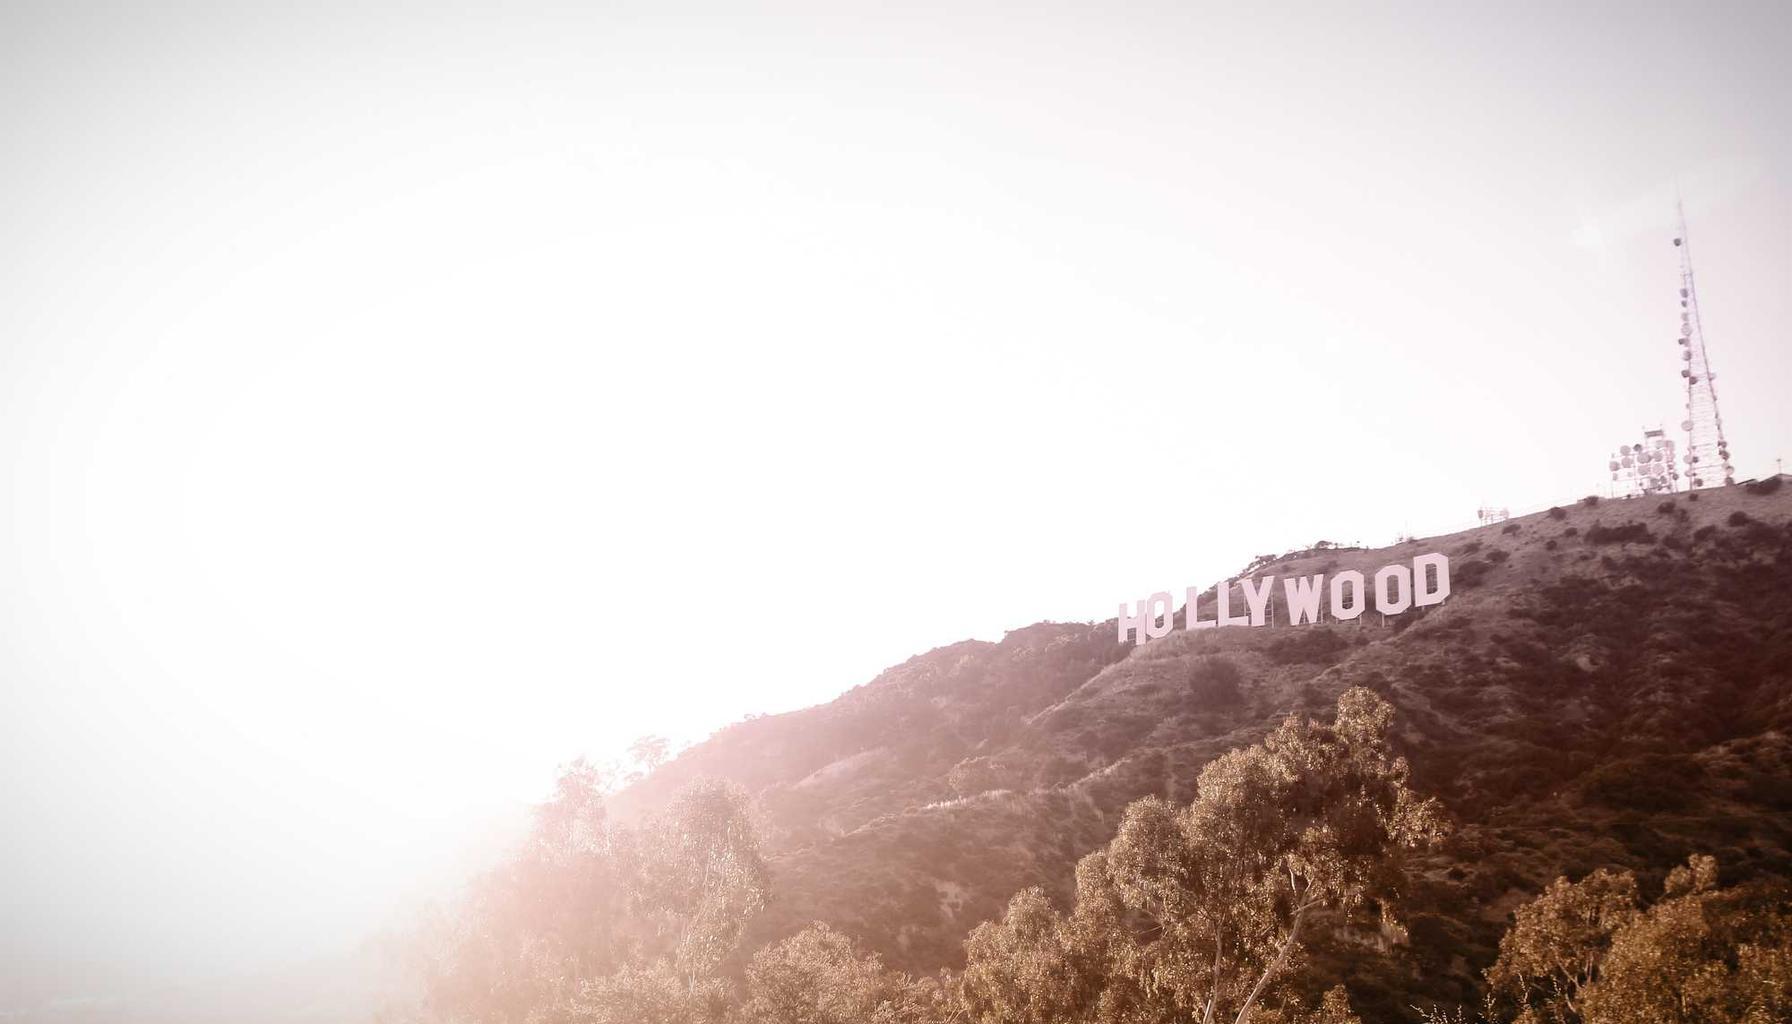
(1394, 589)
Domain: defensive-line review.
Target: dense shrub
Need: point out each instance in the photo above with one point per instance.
(1214, 681)
(589, 918)
(1587, 952)
(1739, 518)
(1498, 556)
(1558, 513)
(1763, 487)
(1651, 782)
(820, 976)
(1509, 528)
(1590, 500)
(1666, 508)
(1311, 646)
(1550, 544)
(1629, 533)
(1470, 573)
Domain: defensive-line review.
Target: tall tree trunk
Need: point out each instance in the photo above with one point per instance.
(1244, 1010)
(1213, 989)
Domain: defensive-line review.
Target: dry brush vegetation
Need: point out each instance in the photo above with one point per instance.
(1571, 803)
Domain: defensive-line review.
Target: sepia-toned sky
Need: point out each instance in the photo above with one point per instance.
(398, 402)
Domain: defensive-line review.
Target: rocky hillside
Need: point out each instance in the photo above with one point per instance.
(1609, 684)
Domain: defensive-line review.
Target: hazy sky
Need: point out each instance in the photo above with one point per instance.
(397, 404)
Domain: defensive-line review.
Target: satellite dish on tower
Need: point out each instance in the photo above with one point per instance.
(1705, 443)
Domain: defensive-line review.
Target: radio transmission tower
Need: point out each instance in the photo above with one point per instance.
(1707, 453)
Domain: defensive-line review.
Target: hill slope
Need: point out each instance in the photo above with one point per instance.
(1609, 684)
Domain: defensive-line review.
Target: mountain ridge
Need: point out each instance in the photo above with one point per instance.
(1608, 685)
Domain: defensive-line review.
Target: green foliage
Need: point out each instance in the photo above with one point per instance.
(1198, 912)
(649, 752)
(1586, 953)
(818, 976)
(1700, 956)
(1554, 946)
(1031, 967)
(1334, 1008)
(652, 993)
(592, 922)
(699, 876)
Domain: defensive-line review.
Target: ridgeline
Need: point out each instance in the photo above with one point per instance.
(1609, 685)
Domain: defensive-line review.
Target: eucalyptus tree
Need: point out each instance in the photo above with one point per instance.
(591, 922)
(1200, 912)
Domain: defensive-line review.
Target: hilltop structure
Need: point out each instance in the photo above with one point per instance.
(1645, 468)
(1707, 452)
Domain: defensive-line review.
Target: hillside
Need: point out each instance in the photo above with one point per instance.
(1609, 684)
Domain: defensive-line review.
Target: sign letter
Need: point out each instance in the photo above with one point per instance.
(1158, 615)
(1303, 594)
(1424, 593)
(1402, 579)
(1340, 610)
(1226, 616)
(1256, 597)
(1192, 611)
(1131, 624)
(1151, 621)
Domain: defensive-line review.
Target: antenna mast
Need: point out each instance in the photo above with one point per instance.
(1707, 453)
